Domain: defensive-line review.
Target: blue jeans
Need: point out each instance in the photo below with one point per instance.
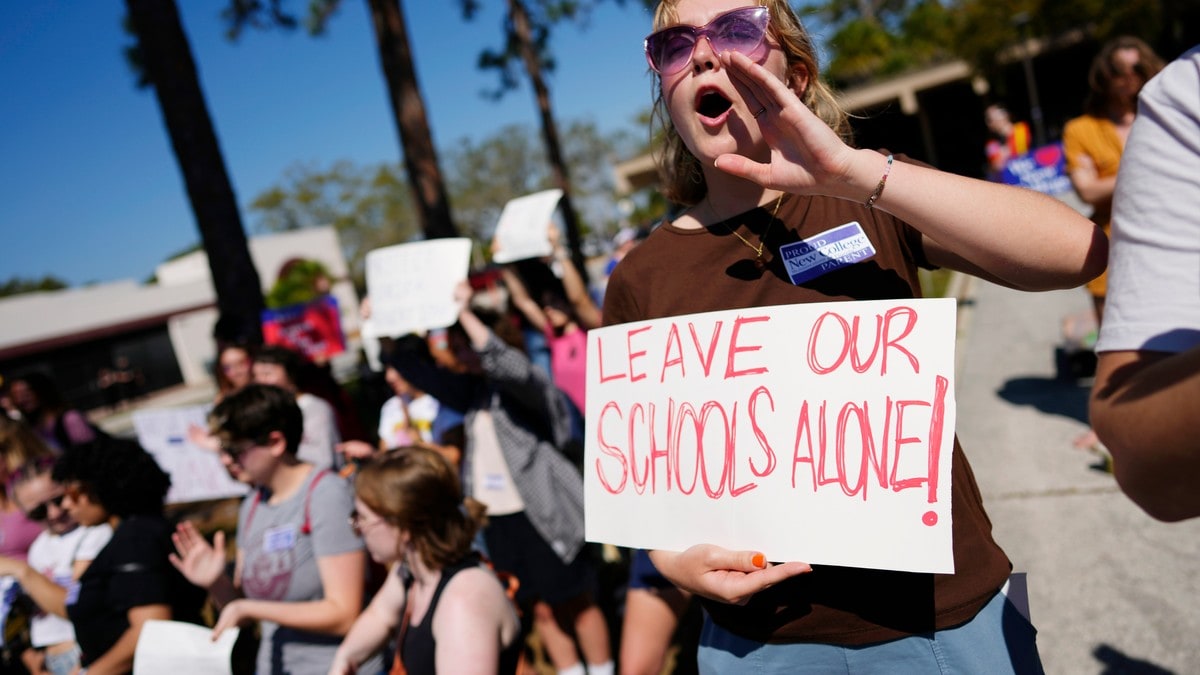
(64, 663)
(998, 640)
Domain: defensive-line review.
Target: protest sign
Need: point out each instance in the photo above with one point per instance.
(411, 286)
(1043, 169)
(181, 648)
(313, 328)
(818, 432)
(197, 474)
(521, 230)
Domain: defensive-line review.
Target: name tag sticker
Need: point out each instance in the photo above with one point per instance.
(493, 481)
(279, 538)
(823, 253)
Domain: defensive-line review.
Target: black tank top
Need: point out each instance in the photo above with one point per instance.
(418, 650)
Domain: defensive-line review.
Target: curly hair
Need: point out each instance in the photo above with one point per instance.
(253, 412)
(682, 178)
(417, 490)
(116, 473)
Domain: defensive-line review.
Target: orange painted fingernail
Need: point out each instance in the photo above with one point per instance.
(759, 560)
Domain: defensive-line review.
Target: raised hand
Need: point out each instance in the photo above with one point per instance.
(807, 157)
(197, 560)
(720, 574)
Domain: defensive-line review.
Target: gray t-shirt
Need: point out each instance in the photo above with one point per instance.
(280, 563)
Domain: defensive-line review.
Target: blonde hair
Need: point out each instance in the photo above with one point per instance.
(20, 446)
(682, 179)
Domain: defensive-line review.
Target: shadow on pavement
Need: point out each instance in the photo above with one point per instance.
(1067, 398)
(1117, 663)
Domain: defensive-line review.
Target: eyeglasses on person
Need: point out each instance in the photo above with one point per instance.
(358, 522)
(41, 512)
(741, 30)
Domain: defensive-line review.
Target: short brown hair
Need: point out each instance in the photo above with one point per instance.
(417, 490)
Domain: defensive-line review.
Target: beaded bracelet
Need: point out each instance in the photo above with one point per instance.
(882, 181)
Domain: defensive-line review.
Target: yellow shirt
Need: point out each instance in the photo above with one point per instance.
(1096, 138)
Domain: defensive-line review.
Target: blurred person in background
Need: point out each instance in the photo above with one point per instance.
(130, 581)
(37, 398)
(299, 569)
(447, 611)
(1093, 144)
(280, 367)
(516, 422)
(57, 558)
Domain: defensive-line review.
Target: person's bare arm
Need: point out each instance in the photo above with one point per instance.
(581, 301)
(1088, 184)
(1143, 408)
(118, 660)
(49, 596)
(519, 295)
(377, 622)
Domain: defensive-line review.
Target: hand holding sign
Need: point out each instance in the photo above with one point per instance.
(720, 574)
(521, 233)
(411, 285)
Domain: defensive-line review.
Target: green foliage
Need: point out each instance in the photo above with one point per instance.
(371, 206)
(873, 38)
(300, 281)
(18, 285)
(368, 206)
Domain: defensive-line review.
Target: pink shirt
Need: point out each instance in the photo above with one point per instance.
(17, 534)
(568, 360)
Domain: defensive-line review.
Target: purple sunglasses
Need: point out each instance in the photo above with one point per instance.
(741, 30)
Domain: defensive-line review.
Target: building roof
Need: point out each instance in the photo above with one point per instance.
(45, 320)
(34, 322)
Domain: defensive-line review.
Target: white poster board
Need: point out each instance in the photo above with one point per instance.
(182, 648)
(197, 474)
(820, 433)
(521, 230)
(411, 286)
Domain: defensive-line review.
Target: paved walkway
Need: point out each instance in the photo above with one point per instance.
(1111, 590)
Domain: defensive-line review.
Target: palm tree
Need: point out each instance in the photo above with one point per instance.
(408, 108)
(526, 39)
(165, 57)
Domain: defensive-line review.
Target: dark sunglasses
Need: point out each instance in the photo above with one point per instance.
(741, 30)
(40, 512)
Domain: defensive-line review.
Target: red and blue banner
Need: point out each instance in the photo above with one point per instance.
(313, 328)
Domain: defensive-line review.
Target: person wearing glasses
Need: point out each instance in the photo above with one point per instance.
(755, 150)
(516, 423)
(445, 608)
(299, 569)
(114, 481)
(57, 558)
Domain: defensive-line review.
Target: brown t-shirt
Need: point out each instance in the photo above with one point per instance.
(677, 271)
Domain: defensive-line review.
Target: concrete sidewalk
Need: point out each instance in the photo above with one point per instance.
(1111, 590)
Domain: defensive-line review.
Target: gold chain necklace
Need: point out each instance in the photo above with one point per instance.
(762, 240)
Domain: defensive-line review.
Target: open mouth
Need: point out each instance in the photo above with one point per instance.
(712, 104)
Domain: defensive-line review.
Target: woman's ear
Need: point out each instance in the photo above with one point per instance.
(799, 80)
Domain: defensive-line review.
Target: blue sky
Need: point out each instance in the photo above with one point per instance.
(89, 187)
